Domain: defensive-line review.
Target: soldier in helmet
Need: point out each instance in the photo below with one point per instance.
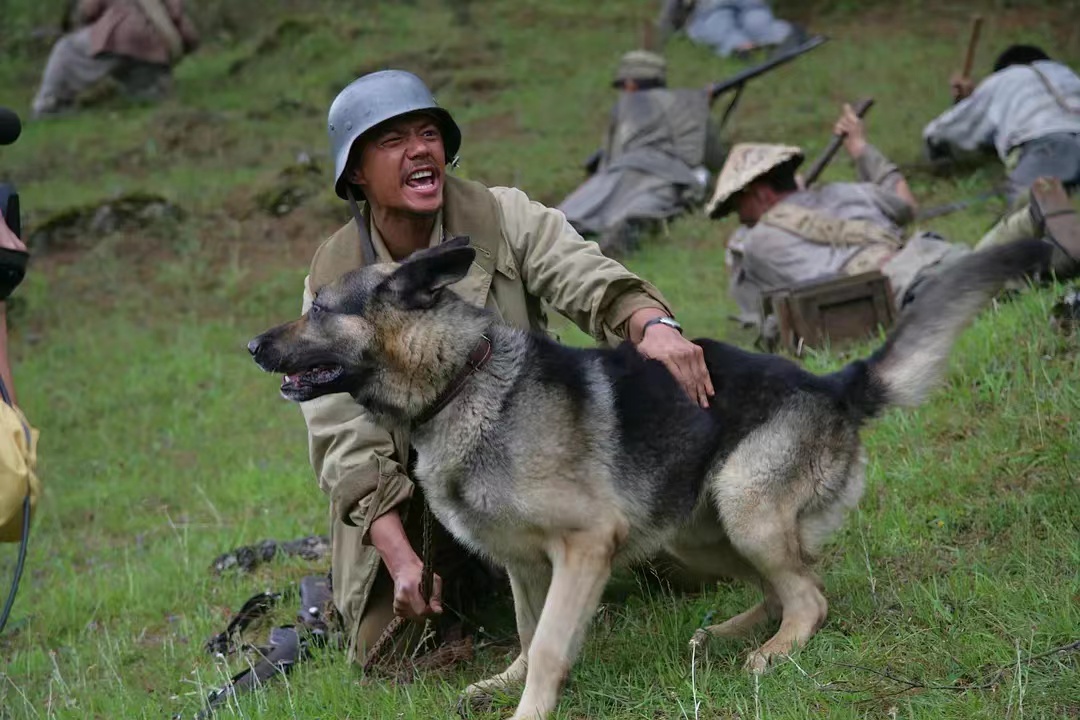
(657, 153)
(391, 145)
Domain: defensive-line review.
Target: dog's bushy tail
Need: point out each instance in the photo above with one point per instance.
(915, 356)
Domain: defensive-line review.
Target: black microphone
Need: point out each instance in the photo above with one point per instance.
(10, 127)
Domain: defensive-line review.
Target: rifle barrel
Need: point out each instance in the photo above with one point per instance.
(750, 73)
(861, 108)
(973, 42)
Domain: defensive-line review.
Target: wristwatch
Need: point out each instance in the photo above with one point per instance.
(663, 320)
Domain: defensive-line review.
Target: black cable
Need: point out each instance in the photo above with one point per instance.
(18, 565)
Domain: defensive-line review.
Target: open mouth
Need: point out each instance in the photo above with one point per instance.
(314, 377)
(423, 180)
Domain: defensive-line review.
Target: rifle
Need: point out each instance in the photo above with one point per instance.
(958, 205)
(738, 81)
(973, 41)
(861, 108)
(969, 54)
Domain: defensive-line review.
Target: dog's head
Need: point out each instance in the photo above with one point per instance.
(373, 332)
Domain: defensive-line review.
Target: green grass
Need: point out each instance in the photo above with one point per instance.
(163, 446)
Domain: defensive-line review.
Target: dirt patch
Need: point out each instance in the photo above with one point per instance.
(284, 107)
(470, 70)
(495, 127)
(193, 133)
(289, 188)
(68, 229)
(285, 33)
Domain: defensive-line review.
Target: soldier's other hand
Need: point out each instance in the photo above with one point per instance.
(851, 127)
(683, 359)
(961, 86)
(9, 239)
(409, 601)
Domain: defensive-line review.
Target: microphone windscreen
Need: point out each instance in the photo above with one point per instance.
(10, 127)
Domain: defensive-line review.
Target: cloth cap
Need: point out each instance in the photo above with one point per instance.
(641, 65)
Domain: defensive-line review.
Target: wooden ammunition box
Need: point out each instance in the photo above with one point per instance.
(831, 312)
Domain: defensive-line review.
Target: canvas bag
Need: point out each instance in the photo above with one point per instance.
(18, 463)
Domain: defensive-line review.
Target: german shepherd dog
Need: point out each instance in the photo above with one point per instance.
(559, 463)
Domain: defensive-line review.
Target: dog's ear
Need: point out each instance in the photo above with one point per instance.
(423, 274)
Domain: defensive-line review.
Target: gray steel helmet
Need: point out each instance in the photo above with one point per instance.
(375, 98)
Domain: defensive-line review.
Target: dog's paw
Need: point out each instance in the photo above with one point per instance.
(760, 662)
(474, 700)
(700, 640)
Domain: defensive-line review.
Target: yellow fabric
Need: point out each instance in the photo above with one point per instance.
(18, 462)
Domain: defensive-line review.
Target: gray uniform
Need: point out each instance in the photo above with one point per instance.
(768, 256)
(656, 147)
(725, 25)
(1029, 114)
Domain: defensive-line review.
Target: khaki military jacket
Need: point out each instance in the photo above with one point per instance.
(526, 253)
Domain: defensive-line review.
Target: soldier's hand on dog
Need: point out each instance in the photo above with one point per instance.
(409, 601)
(684, 359)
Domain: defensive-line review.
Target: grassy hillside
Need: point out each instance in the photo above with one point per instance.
(163, 446)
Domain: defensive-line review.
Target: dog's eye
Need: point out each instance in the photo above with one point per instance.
(315, 310)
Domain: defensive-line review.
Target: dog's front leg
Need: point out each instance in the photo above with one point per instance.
(581, 566)
(529, 585)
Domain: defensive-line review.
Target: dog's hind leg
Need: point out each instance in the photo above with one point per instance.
(756, 493)
(529, 586)
(581, 566)
(769, 539)
(745, 623)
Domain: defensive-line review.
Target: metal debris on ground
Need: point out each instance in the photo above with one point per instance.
(1065, 315)
(247, 557)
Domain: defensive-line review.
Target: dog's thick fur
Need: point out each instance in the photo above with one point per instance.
(558, 463)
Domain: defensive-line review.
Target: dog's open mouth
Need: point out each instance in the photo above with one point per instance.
(313, 377)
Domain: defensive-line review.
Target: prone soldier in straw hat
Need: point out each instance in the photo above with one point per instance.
(794, 235)
(391, 145)
(658, 151)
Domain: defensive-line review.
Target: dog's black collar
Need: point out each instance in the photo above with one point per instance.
(478, 358)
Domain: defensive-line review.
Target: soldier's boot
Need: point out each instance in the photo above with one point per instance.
(1055, 215)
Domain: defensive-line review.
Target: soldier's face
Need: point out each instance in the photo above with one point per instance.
(747, 207)
(753, 202)
(403, 164)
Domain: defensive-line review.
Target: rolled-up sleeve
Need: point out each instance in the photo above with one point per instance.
(355, 460)
(966, 127)
(595, 292)
(881, 177)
